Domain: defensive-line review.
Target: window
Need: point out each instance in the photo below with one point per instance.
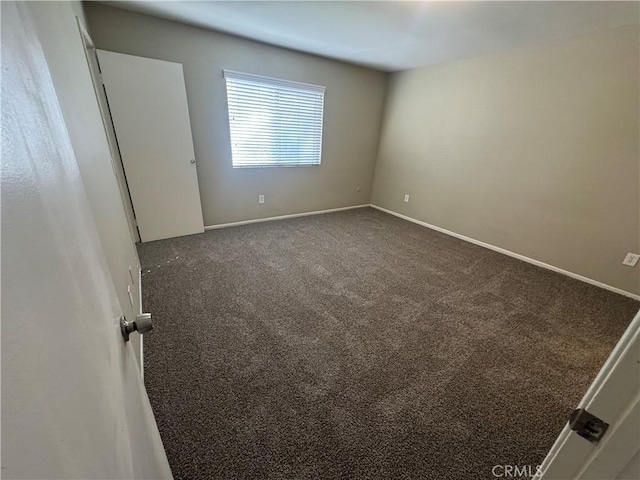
(274, 122)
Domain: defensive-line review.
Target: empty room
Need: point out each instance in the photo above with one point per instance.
(320, 240)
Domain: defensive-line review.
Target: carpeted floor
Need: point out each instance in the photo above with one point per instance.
(358, 345)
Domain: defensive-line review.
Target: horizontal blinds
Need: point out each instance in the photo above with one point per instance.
(274, 121)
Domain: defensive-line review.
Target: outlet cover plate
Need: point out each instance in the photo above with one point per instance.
(631, 260)
(406, 199)
(260, 198)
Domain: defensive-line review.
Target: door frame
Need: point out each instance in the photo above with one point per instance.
(107, 122)
(116, 160)
(76, 406)
(619, 417)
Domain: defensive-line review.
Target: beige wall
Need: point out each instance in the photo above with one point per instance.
(353, 109)
(535, 151)
(631, 470)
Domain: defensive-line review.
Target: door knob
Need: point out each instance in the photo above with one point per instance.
(142, 324)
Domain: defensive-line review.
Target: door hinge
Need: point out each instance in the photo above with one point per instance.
(587, 425)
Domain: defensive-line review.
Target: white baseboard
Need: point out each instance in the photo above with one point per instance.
(282, 217)
(511, 254)
(441, 230)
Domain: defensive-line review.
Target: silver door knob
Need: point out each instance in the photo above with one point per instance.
(142, 324)
(193, 160)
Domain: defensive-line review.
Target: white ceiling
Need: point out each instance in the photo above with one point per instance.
(396, 35)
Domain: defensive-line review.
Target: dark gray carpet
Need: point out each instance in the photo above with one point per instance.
(358, 345)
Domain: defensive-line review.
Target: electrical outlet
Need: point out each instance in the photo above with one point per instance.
(358, 189)
(260, 198)
(406, 199)
(631, 260)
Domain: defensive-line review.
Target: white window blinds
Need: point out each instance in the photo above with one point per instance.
(274, 122)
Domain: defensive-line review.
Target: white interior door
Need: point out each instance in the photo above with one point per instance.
(73, 402)
(613, 397)
(148, 104)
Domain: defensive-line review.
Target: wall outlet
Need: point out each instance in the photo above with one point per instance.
(358, 189)
(260, 198)
(406, 199)
(631, 260)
